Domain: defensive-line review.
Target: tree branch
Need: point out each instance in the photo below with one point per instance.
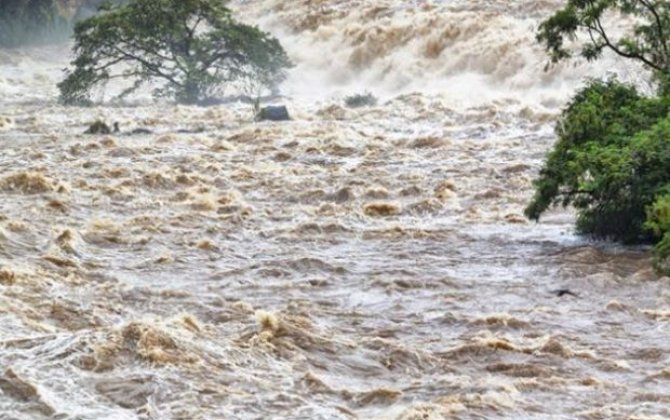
(150, 66)
(659, 26)
(609, 44)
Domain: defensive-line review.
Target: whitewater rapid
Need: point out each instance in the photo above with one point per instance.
(369, 263)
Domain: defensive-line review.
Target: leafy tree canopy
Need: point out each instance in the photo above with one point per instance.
(592, 166)
(611, 163)
(190, 49)
(646, 42)
(612, 158)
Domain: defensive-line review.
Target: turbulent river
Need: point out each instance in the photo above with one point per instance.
(368, 263)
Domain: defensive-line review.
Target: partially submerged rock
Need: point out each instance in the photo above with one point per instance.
(273, 113)
(360, 100)
(101, 127)
(141, 130)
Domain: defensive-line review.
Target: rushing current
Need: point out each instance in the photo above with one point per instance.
(369, 263)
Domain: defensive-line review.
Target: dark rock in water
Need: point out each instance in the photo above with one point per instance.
(101, 127)
(360, 100)
(273, 113)
(141, 131)
(564, 292)
(191, 130)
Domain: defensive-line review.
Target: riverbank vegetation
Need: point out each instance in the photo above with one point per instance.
(612, 158)
(26, 22)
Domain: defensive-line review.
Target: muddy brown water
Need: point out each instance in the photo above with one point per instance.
(370, 263)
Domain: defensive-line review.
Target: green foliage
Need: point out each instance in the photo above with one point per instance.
(601, 164)
(360, 100)
(611, 163)
(612, 158)
(646, 42)
(190, 49)
(25, 22)
(659, 223)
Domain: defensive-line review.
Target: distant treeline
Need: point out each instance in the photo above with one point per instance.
(30, 22)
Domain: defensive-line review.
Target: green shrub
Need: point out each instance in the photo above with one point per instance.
(659, 223)
(611, 162)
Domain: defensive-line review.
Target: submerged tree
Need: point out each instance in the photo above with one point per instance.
(192, 50)
(612, 158)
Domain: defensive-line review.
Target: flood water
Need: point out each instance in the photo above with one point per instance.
(369, 263)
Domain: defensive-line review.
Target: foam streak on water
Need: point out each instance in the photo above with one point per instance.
(369, 263)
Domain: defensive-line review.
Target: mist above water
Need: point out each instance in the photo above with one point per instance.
(468, 52)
